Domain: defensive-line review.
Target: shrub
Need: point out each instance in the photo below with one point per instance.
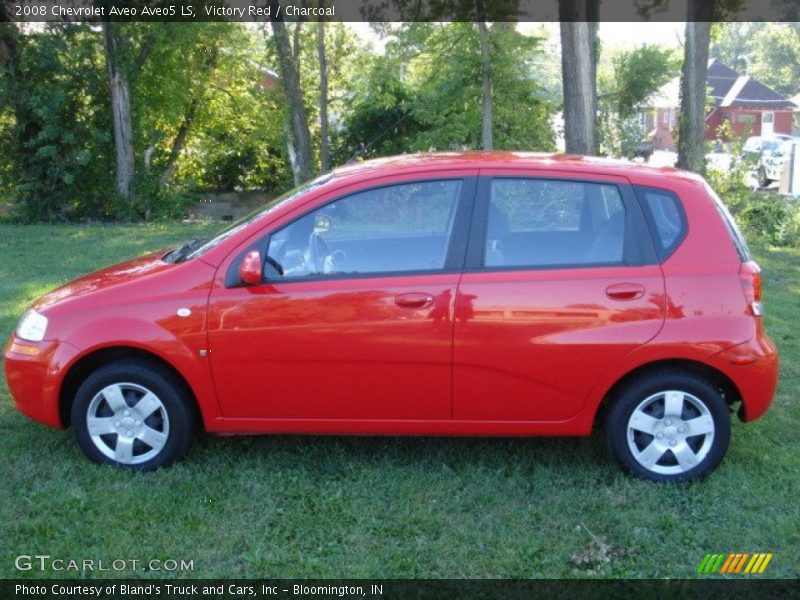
(764, 217)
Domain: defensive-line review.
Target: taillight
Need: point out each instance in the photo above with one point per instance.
(750, 276)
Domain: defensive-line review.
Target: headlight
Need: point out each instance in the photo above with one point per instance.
(32, 326)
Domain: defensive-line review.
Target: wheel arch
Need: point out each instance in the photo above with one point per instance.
(100, 357)
(717, 378)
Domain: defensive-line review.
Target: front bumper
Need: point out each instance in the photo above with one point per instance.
(34, 373)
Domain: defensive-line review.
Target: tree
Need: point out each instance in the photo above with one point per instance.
(56, 146)
(639, 73)
(21, 128)
(442, 67)
(626, 79)
(775, 57)
(199, 118)
(120, 111)
(299, 138)
(579, 52)
(691, 134)
(380, 120)
(237, 138)
(487, 142)
(324, 140)
(732, 43)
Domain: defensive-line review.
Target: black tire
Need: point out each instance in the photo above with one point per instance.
(680, 452)
(763, 180)
(112, 398)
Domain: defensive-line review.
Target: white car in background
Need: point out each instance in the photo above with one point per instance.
(768, 155)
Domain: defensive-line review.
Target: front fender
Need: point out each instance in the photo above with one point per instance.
(183, 353)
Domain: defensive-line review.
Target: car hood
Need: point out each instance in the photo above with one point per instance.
(105, 279)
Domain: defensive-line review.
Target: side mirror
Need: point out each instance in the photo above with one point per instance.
(250, 270)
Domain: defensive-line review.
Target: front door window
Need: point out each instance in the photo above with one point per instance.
(393, 229)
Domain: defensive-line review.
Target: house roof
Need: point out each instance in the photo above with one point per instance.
(720, 79)
(728, 89)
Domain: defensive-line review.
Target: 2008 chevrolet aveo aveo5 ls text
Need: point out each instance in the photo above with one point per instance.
(496, 294)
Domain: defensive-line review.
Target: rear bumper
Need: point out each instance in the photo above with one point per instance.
(753, 368)
(34, 371)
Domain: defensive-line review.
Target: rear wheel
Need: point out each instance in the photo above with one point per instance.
(134, 415)
(670, 426)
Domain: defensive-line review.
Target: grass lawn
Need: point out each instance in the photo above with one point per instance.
(386, 507)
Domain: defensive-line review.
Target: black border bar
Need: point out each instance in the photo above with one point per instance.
(393, 10)
(390, 589)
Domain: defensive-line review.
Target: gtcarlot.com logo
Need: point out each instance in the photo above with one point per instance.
(735, 563)
(45, 562)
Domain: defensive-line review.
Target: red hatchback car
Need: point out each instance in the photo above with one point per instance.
(499, 294)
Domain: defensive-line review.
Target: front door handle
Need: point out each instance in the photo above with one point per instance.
(625, 291)
(414, 300)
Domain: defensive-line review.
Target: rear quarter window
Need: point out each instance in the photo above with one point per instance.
(666, 218)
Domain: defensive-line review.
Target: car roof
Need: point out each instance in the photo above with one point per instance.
(507, 159)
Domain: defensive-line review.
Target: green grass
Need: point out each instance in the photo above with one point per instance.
(386, 507)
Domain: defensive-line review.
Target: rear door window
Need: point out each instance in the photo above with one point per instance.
(550, 223)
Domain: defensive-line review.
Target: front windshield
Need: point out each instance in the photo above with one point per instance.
(259, 212)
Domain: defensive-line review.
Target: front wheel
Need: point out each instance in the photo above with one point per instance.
(670, 426)
(134, 415)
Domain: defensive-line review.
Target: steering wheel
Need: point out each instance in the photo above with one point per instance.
(318, 250)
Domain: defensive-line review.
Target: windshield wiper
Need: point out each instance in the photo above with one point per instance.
(183, 251)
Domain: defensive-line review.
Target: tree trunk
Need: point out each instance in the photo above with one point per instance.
(290, 80)
(121, 115)
(178, 143)
(324, 142)
(691, 133)
(579, 74)
(487, 142)
(188, 118)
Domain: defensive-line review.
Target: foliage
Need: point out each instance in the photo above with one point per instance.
(56, 138)
(776, 57)
(620, 137)
(626, 80)
(204, 119)
(381, 121)
(237, 133)
(446, 77)
(764, 217)
(207, 116)
(425, 93)
(731, 43)
(639, 73)
(60, 151)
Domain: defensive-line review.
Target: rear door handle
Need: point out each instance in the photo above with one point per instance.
(414, 300)
(625, 291)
